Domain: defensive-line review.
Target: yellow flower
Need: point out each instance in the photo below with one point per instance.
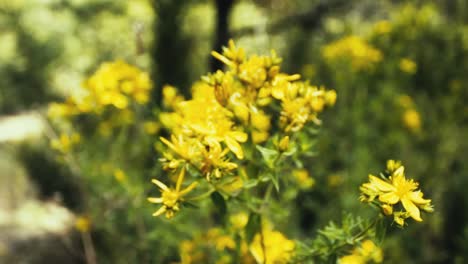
(57, 110)
(367, 252)
(303, 178)
(170, 96)
(232, 56)
(171, 198)
(396, 189)
(405, 101)
(412, 120)
(239, 220)
(214, 163)
(408, 66)
(334, 180)
(187, 149)
(151, 127)
(120, 175)
(360, 54)
(274, 249)
(382, 27)
(82, 224)
(65, 142)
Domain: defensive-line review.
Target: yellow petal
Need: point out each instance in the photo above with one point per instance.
(160, 184)
(168, 143)
(180, 179)
(389, 198)
(188, 189)
(411, 208)
(400, 171)
(235, 147)
(380, 184)
(155, 200)
(417, 197)
(399, 220)
(161, 210)
(238, 136)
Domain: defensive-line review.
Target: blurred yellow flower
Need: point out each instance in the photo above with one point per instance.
(151, 127)
(57, 110)
(382, 27)
(355, 49)
(120, 175)
(405, 101)
(334, 180)
(170, 96)
(239, 220)
(408, 66)
(367, 252)
(272, 247)
(114, 84)
(82, 224)
(171, 198)
(65, 142)
(303, 178)
(412, 120)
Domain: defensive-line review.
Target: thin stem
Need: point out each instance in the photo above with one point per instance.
(90, 253)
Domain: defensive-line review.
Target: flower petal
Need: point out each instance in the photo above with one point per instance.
(160, 211)
(155, 200)
(411, 208)
(234, 147)
(238, 136)
(417, 198)
(160, 185)
(389, 198)
(180, 179)
(188, 189)
(381, 184)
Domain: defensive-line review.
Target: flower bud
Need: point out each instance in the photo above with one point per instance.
(284, 144)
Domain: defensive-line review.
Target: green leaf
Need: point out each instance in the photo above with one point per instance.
(290, 152)
(380, 230)
(274, 179)
(269, 155)
(190, 205)
(220, 203)
(253, 226)
(250, 183)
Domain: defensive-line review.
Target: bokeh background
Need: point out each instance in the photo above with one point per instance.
(400, 69)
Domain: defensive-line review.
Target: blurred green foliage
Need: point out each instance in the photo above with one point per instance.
(409, 105)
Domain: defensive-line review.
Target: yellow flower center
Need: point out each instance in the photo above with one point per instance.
(403, 187)
(170, 198)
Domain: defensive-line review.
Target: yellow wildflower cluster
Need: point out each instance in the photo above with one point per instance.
(360, 54)
(230, 106)
(389, 192)
(115, 84)
(367, 252)
(268, 247)
(214, 242)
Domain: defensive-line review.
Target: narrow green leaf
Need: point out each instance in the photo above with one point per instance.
(269, 155)
(253, 226)
(220, 203)
(250, 183)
